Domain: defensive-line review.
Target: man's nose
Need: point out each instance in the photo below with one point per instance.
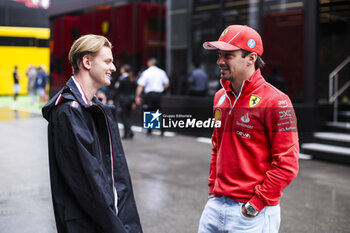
(220, 60)
(113, 68)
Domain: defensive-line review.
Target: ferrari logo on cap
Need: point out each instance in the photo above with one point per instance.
(224, 32)
(254, 100)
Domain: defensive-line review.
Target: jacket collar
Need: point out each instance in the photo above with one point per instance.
(78, 92)
(249, 84)
(70, 92)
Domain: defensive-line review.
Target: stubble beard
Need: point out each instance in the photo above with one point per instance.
(227, 77)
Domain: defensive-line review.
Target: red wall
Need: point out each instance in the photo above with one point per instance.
(128, 42)
(283, 46)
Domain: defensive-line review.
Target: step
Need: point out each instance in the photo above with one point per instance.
(344, 116)
(344, 113)
(305, 156)
(333, 138)
(327, 152)
(339, 126)
(327, 148)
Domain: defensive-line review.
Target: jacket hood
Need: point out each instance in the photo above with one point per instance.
(69, 92)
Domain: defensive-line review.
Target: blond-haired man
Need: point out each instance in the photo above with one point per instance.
(90, 181)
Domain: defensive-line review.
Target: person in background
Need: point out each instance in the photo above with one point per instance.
(125, 94)
(198, 82)
(31, 74)
(40, 84)
(101, 96)
(255, 150)
(90, 180)
(153, 81)
(16, 86)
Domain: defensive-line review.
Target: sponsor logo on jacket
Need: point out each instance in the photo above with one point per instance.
(245, 118)
(283, 103)
(285, 114)
(222, 99)
(242, 134)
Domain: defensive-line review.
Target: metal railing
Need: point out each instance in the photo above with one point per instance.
(334, 91)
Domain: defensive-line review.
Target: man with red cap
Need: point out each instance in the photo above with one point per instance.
(255, 150)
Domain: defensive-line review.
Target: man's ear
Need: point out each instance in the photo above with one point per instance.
(252, 57)
(86, 62)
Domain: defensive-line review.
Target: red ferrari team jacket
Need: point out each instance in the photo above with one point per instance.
(255, 150)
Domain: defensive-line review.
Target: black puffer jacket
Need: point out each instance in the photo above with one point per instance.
(80, 167)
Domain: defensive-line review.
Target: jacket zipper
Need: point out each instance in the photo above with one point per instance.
(239, 94)
(111, 150)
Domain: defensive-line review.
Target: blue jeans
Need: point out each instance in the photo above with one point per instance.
(224, 215)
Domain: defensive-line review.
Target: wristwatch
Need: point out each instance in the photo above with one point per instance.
(250, 209)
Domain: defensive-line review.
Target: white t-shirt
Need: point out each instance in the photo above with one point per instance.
(153, 79)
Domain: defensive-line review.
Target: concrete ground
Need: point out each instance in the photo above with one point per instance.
(170, 183)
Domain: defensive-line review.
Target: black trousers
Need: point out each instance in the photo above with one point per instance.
(125, 115)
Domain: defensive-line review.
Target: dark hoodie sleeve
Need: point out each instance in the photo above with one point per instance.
(73, 147)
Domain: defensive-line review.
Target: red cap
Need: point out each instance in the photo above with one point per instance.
(237, 37)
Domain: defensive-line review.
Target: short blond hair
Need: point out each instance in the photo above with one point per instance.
(86, 45)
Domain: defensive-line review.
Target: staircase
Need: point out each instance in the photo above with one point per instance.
(332, 144)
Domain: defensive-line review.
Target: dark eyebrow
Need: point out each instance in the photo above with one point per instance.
(225, 53)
